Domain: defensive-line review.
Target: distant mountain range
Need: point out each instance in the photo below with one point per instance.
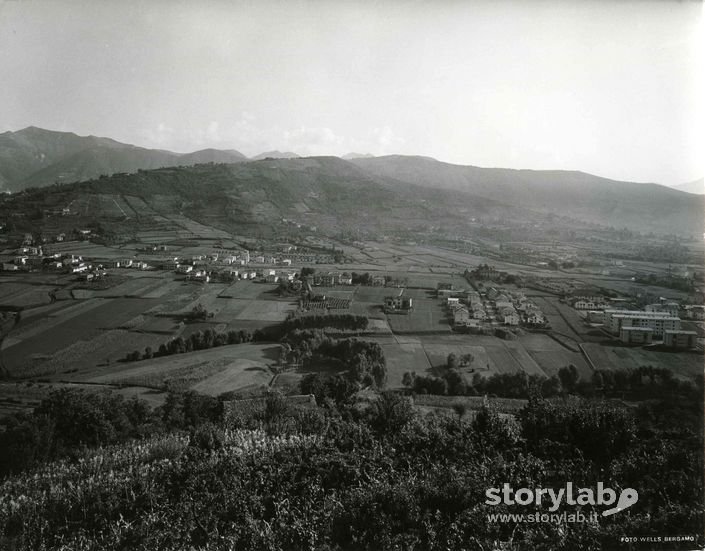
(37, 157)
(410, 189)
(696, 186)
(275, 155)
(646, 207)
(351, 156)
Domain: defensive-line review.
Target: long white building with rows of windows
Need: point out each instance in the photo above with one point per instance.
(657, 321)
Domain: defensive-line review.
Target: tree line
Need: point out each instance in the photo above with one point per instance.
(642, 383)
(201, 340)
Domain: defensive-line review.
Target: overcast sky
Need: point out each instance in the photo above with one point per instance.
(607, 87)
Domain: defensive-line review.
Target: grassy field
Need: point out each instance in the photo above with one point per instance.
(247, 289)
(266, 310)
(553, 360)
(26, 297)
(241, 374)
(160, 325)
(11, 286)
(288, 382)
(63, 331)
(408, 355)
(230, 309)
(426, 354)
(86, 355)
(552, 310)
(428, 315)
(214, 371)
(371, 294)
(683, 364)
(39, 320)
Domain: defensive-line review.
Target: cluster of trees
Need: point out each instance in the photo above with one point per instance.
(450, 382)
(641, 383)
(379, 477)
(201, 340)
(332, 391)
(363, 361)
(317, 321)
(199, 313)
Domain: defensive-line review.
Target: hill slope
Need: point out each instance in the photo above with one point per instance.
(644, 207)
(368, 194)
(35, 157)
(255, 197)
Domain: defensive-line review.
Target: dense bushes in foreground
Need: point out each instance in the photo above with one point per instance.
(374, 477)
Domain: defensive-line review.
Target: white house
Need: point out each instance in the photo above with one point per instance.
(461, 316)
(511, 318)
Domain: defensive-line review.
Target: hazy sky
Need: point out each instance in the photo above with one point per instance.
(608, 87)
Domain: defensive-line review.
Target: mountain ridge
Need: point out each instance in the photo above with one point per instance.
(646, 207)
(696, 187)
(35, 157)
(276, 154)
(65, 157)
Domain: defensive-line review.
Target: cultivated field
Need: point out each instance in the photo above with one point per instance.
(59, 337)
(425, 354)
(213, 371)
(683, 364)
(26, 296)
(266, 310)
(406, 355)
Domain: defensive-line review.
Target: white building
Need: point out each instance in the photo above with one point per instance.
(658, 321)
(461, 316)
(511, 318)
(588, 305)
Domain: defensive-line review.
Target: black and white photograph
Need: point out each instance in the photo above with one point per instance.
(352, 275)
